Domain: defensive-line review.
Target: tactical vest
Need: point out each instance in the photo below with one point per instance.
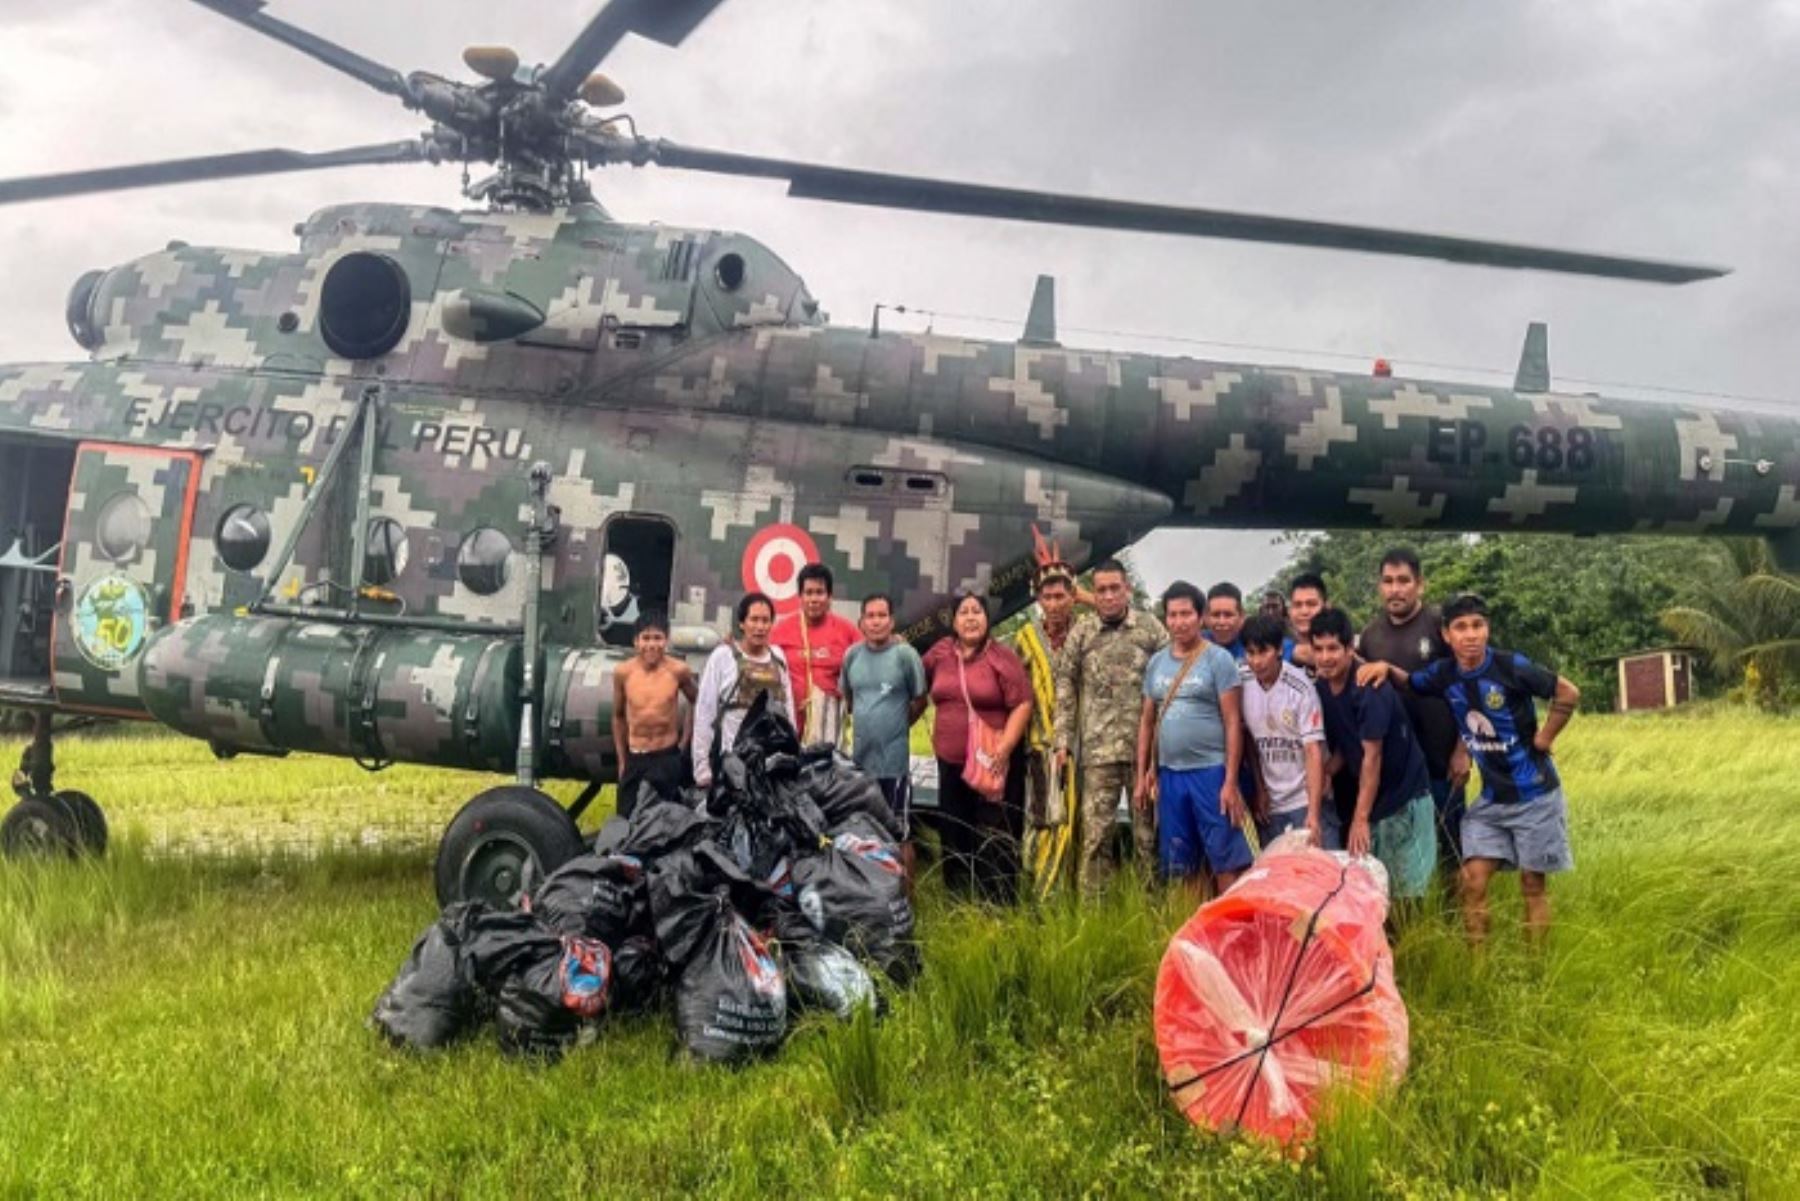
(754, 679)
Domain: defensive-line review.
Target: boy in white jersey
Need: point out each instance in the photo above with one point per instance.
(1281, 711)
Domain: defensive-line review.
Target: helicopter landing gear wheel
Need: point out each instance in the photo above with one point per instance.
(501, 844)
(89, 820)
(39, 828)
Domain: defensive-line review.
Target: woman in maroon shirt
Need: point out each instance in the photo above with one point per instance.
(981, 837)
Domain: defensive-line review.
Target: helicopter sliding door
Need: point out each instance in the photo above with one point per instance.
(124, 559)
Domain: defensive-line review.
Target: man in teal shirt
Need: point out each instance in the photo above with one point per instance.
(883, 686)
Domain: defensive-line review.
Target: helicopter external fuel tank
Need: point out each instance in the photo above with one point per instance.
(376, 693)
(379, 694)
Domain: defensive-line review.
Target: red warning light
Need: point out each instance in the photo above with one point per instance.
(1383, 369)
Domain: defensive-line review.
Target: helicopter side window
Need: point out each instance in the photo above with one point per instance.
(386, 555)
(123, 527)
(636, 574)
(242, 538)
(482, 561)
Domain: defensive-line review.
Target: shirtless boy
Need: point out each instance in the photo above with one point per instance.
(646, 717)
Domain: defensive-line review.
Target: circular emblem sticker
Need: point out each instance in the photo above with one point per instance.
(772, 564)
(112, 615)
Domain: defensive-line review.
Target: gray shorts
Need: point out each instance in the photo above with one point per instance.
(1532, 836)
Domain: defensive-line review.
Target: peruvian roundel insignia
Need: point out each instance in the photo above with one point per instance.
(772, 564)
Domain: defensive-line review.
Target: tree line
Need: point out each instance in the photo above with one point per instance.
(1576, 603)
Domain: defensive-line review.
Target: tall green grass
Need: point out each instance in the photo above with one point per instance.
(192, 1024)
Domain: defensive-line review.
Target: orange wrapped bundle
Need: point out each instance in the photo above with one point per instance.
(1279, 990)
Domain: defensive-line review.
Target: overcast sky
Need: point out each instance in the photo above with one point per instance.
(1656, 127)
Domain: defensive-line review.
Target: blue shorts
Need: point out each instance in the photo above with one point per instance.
(1190, 830)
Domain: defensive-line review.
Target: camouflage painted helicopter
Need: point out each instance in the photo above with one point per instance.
(399, 495)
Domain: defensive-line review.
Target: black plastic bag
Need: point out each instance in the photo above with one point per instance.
(823, 975)
(638, 976)
(656, 828)
(434, 1000)
(685, 889)
(595, 896)
(500, 942)
(799, 816)
(759, 847)
(731, 1002)
(612, 835)
(853, 893)
(765, 731)
(840, 790)
(543, 1003)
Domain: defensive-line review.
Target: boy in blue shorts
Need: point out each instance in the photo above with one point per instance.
(1190, 748)
(1521, 819)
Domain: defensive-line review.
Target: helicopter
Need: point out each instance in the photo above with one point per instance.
(400, 494)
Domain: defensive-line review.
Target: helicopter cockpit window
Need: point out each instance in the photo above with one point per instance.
(385, 557)
(242, 538)
(123, 528)
(636, 575)
(483, 561)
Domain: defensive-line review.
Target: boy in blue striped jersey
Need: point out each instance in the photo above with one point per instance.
(1521, 818)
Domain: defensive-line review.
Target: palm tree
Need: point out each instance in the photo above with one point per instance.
(1745, 619)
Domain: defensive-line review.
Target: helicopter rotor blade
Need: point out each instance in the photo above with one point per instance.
(212, 166)
(249, 13)
(667, 22)
(814, 182)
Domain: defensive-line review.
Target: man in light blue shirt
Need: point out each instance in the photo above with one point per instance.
(1191, 747)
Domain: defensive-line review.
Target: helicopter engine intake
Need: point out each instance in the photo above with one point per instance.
(365, 305)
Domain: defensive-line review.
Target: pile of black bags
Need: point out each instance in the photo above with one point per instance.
(770, 891)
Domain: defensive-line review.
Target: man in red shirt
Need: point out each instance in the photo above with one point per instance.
(814, 641)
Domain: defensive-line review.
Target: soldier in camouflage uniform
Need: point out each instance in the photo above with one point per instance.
(1099, 685)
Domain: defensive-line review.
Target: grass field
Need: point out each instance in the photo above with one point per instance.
(192, 1024)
